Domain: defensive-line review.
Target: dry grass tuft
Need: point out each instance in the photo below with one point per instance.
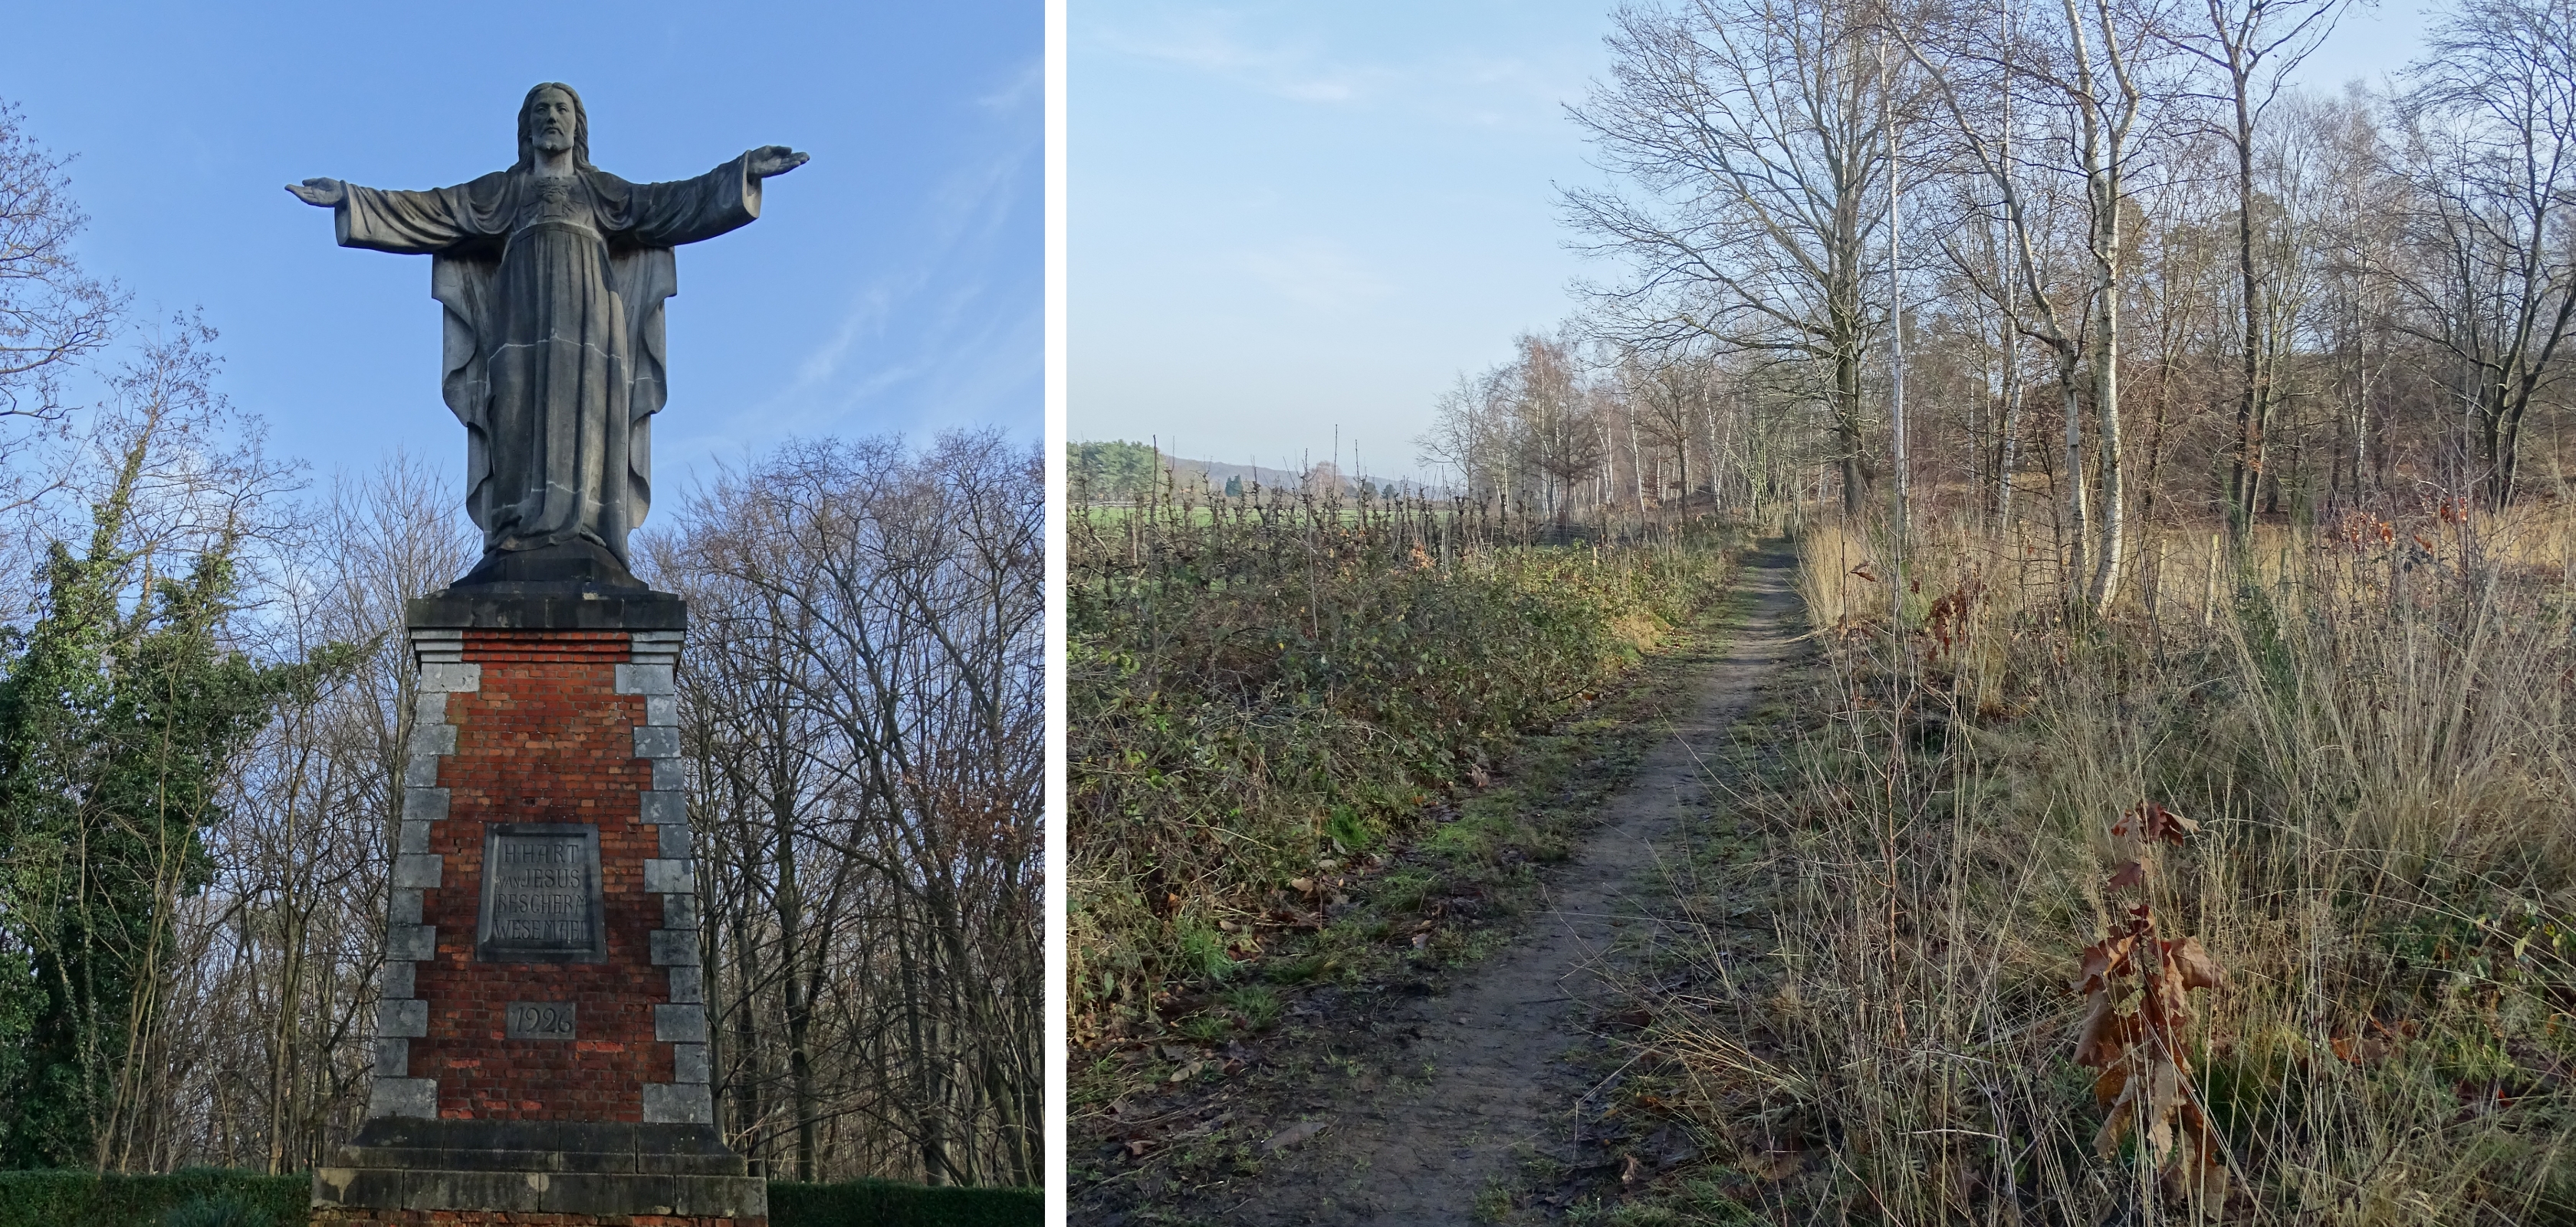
(2372, 726)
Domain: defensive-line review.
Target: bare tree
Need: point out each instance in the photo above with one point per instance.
(2253, 45)
(2491, 152)
(52, 313)
(862, 707)
(1749, 137)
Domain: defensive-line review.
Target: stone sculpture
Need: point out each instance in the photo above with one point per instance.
(553, 274)
(541, 1045)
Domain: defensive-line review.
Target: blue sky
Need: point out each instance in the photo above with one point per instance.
(892, 284)
(1288, 217)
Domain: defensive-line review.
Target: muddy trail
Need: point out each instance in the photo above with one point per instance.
(1484, 1080)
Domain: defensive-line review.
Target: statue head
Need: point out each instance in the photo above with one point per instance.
(551, 118)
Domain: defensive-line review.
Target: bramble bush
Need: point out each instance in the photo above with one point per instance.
(1255, 683)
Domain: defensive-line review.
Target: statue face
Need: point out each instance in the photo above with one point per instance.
(550, 122)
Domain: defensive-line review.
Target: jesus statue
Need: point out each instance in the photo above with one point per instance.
(553, 274)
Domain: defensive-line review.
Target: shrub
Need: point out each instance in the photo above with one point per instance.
(884, 1203)
(220, 1210)
(1253, 686)
(190, 1197)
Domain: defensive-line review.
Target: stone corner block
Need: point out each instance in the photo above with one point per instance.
(411, 943)
(433, 739)
(403, 1097)
(666, 806)
(656, 741)
(425, 804)
(409, 1019)
(679, 1024)
(646, 680)
(678, 1103)
(688, 986)
(451, 678)
(417, 870)
(668, 876)
(675, 947)
(689, 1063)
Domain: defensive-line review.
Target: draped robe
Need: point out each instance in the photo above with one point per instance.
(552, 289)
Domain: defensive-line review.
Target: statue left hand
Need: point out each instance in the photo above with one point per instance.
(771, 160)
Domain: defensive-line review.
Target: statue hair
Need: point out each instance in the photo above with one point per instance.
(580, 126)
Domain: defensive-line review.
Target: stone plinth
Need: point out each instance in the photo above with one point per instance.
(541, 1046)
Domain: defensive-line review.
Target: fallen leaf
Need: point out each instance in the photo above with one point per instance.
(1634, 1172)
(2192, 959)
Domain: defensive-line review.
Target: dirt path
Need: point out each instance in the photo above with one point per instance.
(1492, 1087)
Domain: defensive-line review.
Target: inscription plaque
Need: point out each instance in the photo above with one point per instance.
(539, 1020)
(541, 894)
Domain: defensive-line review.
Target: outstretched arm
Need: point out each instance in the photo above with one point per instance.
(323, 193)
(770, 161)
(400, 222)
(688, 210)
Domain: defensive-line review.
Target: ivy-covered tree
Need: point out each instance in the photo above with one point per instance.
(121, 708)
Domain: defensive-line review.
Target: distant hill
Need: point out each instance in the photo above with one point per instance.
(1117, 471)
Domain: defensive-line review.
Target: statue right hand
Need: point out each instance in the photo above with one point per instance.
(324, 193)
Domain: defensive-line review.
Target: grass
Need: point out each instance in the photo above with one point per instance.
(1271, 704)
(1862, 999)
(1345, 926)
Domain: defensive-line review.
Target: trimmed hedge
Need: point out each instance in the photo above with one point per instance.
(57, 1198)
(884, 1203)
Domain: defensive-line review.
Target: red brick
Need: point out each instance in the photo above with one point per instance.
(546, 740)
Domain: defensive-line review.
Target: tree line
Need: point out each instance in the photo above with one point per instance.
(2080, 267)
(205, 691)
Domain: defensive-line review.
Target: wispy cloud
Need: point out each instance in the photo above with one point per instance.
(941, 338)
(1287, 70)
(937, 302)
(1026, 88)
(1453, 83)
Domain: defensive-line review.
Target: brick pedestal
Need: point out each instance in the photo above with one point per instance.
(541, 1047)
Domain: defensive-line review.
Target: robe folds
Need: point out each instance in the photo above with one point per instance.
(552, 289)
